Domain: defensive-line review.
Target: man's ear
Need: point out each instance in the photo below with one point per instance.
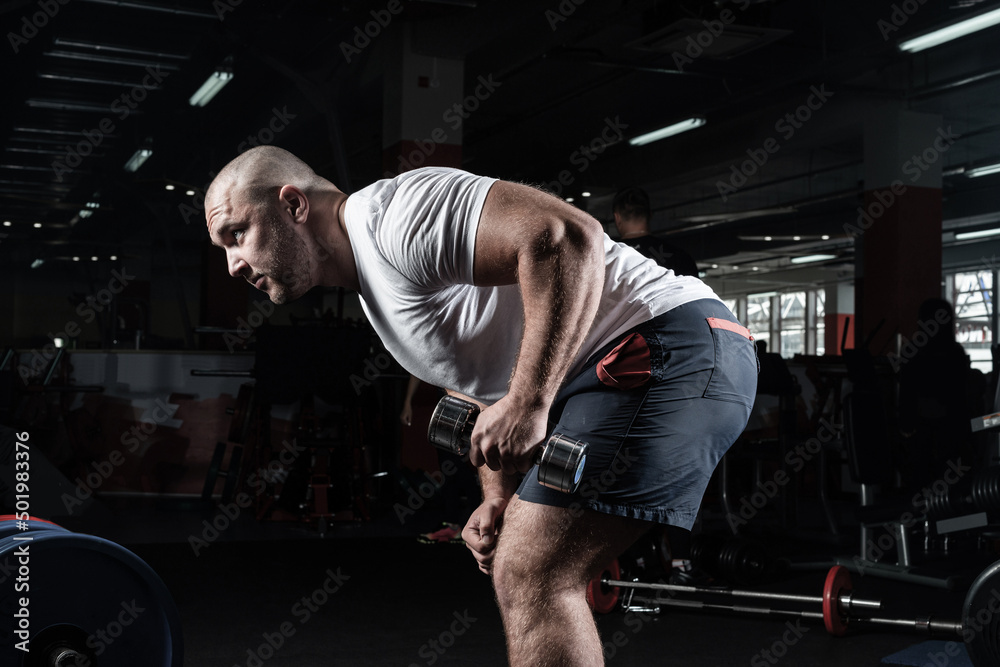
(295, 202)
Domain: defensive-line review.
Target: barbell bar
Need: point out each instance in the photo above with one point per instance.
(979, 627)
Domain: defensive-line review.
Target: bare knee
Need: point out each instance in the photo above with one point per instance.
(523, 581)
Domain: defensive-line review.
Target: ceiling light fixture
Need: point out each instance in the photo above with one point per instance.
(984, 170)
(213, 84)
(138, 159)
(806, 259)
(668, 131)
(954, 31)
(982, 233)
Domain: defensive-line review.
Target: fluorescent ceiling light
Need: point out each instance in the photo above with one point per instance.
(37, 225)
(37, 263)
(805, 259)
(168, 186)
(7, 223)
(669, 131)
(983, 171)
(982, 233)
(137, 159)
(213, 84)
(85, 213)
(951, 32)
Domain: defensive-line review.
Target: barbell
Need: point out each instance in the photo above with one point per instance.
(839, 607)
(72, 600)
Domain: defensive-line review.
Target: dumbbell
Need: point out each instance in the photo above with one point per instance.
(560, 461)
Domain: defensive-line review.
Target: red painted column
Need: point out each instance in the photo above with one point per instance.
(424, 108)
(899, 225)
(838, 315)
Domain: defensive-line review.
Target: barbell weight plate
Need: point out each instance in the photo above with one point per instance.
(981, 618)
(838, 582)
(9, 527)
(601, 597)
(85, 588)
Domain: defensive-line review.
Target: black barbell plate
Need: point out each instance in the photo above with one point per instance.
(100, 588)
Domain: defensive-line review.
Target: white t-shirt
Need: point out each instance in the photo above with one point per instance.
(414, 239)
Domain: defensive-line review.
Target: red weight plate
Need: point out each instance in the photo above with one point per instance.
(601, 597)
(838, 582)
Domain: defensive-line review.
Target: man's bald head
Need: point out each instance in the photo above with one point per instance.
(262, 171)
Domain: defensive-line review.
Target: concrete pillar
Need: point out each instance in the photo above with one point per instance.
(900, 224)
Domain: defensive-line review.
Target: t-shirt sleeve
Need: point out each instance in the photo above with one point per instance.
(428, 227)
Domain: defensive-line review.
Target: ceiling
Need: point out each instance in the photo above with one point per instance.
(91, 81)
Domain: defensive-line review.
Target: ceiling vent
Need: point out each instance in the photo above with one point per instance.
(705, 39)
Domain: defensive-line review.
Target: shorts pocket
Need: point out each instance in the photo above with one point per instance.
(627, 366)
(734, 377)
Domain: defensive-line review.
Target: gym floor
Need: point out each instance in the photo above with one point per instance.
(397, 602)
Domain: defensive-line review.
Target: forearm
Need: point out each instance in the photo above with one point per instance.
(497, 484)
(561, 278)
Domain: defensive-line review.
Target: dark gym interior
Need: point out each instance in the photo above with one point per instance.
(230, 483)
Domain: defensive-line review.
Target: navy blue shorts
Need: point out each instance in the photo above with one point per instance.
(659, 406)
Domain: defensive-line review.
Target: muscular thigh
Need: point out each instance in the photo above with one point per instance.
(566, 545)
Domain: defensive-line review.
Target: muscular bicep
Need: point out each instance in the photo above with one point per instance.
(520, 224)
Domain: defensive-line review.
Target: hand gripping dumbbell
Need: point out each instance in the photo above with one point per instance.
(560, 461)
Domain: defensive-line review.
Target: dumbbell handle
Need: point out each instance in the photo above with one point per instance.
(560, 462)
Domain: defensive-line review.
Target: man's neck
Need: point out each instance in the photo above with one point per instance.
(339, 266)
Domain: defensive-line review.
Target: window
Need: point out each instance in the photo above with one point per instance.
(792, 324)
(972, 297)
(759, 317)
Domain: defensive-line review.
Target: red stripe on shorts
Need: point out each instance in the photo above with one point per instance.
(717, 323)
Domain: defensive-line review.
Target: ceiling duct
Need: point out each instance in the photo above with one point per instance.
(708, 39)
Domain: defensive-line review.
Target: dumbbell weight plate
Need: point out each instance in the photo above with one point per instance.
(838, 582)
(81, 586)
(601, 597)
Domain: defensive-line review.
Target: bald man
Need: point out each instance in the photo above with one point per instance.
(519, 301)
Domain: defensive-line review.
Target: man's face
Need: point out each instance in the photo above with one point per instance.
(262, 246)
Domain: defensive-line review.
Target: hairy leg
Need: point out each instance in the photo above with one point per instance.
(545, 557)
